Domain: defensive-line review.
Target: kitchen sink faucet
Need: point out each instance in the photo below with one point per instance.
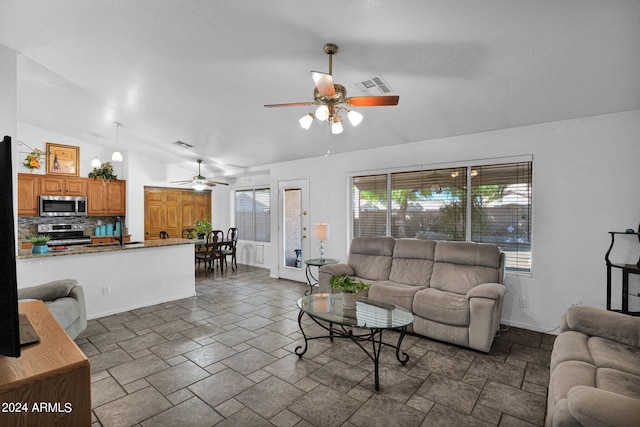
(121, 237)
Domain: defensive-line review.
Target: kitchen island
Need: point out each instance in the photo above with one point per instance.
(117, 278)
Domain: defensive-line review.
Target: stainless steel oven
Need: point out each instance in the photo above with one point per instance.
(63, 206)
(64, 234)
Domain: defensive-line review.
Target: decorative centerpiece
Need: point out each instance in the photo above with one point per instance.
(202, 227)
(105, 171)
(349, 288)
(39, 243)
(32, 161)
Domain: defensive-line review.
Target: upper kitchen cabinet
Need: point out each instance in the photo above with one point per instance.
(106, 198)
(57, 186)
(28, 191)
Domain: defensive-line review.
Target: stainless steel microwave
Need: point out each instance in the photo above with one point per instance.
(63, 206)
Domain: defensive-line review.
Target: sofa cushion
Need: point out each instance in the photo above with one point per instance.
(370, 257)
(570, 345)
(443, 307)
(413, 261)
(460, 266)
(394, 293)
(65, 310)
(615, 355)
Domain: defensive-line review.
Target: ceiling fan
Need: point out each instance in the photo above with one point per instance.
(331, 99)
(199, 182)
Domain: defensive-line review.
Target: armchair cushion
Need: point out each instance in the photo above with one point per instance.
(596, 407)
(48, 291)
(606, 324)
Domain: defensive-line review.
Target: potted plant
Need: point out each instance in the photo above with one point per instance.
(349, 288)
(105, 172)
(39, 243)
(202, 227)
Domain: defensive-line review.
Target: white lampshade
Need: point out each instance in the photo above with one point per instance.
(322, 113)
(116, 156)
(306, 121)
(95, 163)
(354, 117)
(336, 128)
(320, 231)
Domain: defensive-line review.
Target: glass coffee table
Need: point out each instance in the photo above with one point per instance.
(365, 324)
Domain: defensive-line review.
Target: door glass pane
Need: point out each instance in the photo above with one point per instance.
(292, 228)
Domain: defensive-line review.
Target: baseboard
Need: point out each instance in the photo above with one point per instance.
(134, 307)
(530, 327)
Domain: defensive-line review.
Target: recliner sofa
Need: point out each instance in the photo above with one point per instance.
(64, 299)
(454, 289)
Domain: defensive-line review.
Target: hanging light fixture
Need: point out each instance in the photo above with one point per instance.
(336, 125)
(96, 163)
(116, 156)
(331, 115)
(306, 120)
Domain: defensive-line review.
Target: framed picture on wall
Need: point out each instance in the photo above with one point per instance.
(63, 159)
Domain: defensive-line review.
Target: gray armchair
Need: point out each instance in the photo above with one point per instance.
(64, 299)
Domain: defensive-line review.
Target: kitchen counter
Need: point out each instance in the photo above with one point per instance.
(105, 247)
(117, 278)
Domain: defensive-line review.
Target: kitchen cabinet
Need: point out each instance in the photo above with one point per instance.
(28, 191)
(63, 186)
(106, 198)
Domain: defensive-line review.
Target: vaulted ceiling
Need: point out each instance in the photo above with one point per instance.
(200, 71)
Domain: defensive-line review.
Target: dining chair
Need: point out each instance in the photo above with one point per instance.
(188, 233)
(230, 247)
(207, 252)
(164, 235)
(219, 236)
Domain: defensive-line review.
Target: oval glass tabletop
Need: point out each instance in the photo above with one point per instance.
(367, 314)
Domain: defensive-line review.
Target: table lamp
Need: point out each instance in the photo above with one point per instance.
(321, 232)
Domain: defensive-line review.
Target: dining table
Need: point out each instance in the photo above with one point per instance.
(200, 246)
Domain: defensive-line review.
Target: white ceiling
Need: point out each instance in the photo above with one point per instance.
(200, 71)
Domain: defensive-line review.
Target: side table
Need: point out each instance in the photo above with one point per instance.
(316, 262)
(626, 270)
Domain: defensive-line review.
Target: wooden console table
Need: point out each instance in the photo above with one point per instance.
(50, 383)
(626, 270)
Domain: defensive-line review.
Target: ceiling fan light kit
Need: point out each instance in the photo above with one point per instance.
(331, 99)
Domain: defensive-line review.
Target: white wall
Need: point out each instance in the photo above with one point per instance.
(585, 176)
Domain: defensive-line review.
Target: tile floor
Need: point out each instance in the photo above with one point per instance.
(225, 358)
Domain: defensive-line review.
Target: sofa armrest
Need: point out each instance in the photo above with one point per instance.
(48, 291)
(77, 293)
(596, 407)
(493, 291)
(330, 270)
(611, 325)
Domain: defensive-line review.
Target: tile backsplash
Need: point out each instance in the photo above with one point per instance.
(28, 225)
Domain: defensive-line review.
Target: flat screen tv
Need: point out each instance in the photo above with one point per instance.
(9, 320)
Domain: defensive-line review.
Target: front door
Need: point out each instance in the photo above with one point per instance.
(293, 229)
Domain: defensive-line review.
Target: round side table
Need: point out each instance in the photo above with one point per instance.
(316, 262)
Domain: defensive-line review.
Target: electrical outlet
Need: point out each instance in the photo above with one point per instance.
(106, 290)
(524, 303)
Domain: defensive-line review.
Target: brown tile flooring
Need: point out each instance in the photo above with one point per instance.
(225, 358)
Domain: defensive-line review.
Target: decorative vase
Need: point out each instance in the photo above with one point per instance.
(348, 301)
(42, 249)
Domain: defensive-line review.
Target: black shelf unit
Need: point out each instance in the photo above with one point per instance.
(627, 269)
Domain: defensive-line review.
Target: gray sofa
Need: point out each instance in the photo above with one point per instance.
(64, 299)
(454, 289)
(595, 370)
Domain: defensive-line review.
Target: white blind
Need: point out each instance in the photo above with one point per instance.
(253, 214)
(369, 205)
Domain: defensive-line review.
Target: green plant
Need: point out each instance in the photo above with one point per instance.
(347, 284)
(202, 226)
(105, 172)
(39, 240)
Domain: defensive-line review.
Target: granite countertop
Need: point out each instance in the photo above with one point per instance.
(106, 247)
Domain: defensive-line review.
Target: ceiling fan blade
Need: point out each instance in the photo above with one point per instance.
(371, 101)
(291, 104)
(324, 83)
(181, 182)
(214, 183)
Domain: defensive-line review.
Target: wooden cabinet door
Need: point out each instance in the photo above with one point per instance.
(203, 205)
(52, 186)
(96, 190)
(75, 187)
(28, 191)
(116, 198)
(188, 210)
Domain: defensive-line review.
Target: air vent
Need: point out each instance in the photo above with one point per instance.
(182, 144)
(374, 86)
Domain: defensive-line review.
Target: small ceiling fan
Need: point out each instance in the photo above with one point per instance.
(332, 99)
(200, 182)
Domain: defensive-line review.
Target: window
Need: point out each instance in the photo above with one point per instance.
(485, 203)
(253, 214)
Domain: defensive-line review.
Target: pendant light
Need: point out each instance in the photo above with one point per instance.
(96, 163)
(116, 156)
